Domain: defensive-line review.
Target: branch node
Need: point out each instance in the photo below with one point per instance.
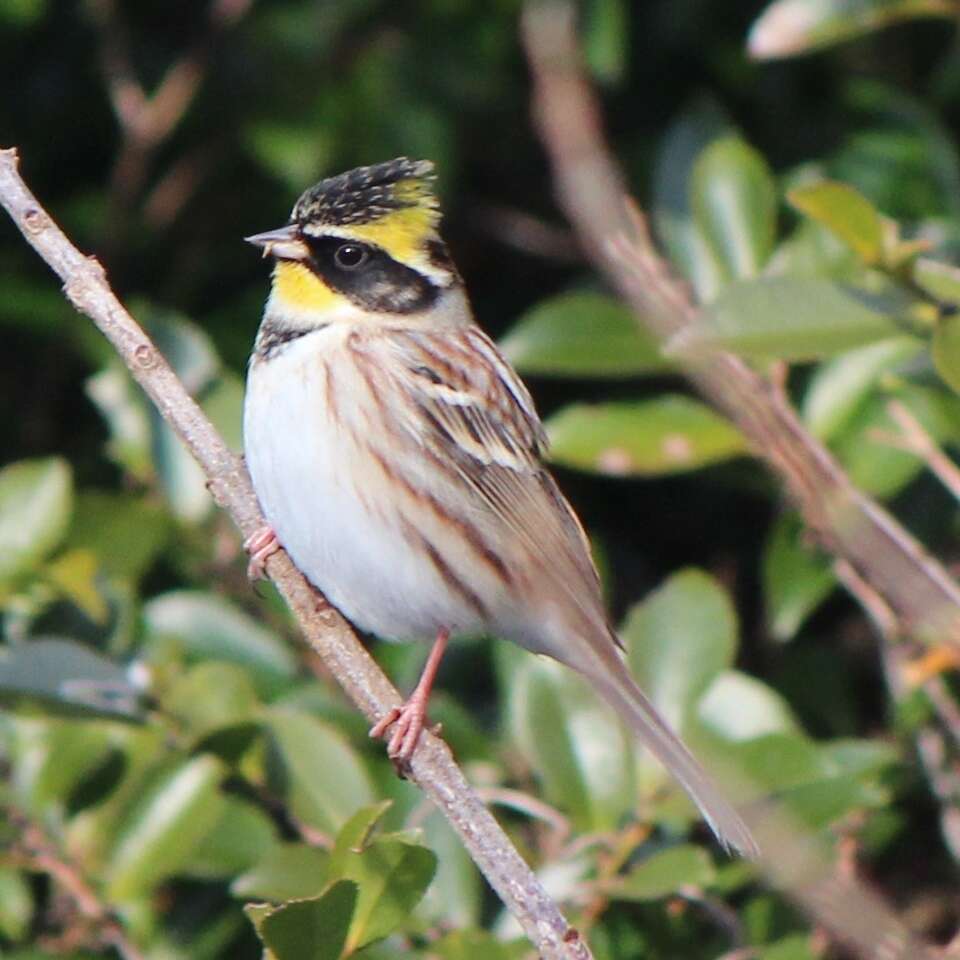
(34, 221)
(146, 358)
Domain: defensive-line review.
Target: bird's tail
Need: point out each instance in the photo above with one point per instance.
(614, 683)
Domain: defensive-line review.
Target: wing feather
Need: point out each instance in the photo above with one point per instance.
(479, 416)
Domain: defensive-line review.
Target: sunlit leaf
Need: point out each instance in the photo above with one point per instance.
(840, 385)
(797, 318)
(573, 742)
(582, 335)
(16, 904)
(738, 707)
(846, 212)
(790, 27)
(286, 871)
(870, 446)
(36, 499)
(392, 873)
(320, 775)
(209, 627)
(946, 350)
(940, 280)
(735, 204)
(688, 137)
(74, 576)
(663, 435)
(124, 408)
(159, 834)
(679, 639)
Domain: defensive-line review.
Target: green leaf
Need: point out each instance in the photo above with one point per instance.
(790, 27)
(796, 947)
(946, 350)
(286, 871)
(125, 410)
(839, 386)
(212, 695)
(739, 707)
(124, 532)
(66, 677)
(159, 834)
(193, 357)
(573, 742)
(796, 577)
(582, 335)
(665, 873)
(679, 639)
(688, 137)
(455, 897)
(242, 836)
(294, 153)
(798, 318)
(734, 201)
(392, 874)
(606, 32)
(478, 945)
(316, 770)
(940, 280)
(357, 831)
(73, 575)
(874, 463)
(16, 904)
(209, 627)
(663, 435)
(36, 499)
(22, 13)
(52, 757)
(846, 212)
(223, 404)
(314, 929)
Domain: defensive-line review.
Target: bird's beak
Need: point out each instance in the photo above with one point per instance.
(284, 243)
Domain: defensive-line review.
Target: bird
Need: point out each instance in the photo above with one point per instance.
(399, 459)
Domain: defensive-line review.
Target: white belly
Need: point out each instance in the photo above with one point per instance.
(326, 498)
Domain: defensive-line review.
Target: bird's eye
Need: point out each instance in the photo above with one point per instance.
(350, 256)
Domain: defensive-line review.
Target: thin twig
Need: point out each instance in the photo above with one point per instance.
(35, 851)
(591, 190)
(432, 768)
(147, 120)
(917, 440)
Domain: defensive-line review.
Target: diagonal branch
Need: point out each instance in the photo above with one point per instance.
(590, 189)
(433, 768)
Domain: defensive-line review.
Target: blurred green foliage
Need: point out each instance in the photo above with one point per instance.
(167, 738)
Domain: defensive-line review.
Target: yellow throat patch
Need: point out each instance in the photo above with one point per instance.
(297, 287)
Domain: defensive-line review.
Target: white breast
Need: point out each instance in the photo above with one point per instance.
(306, 412)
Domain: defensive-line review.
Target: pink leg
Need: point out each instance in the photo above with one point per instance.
(407, 721)
(260, 546)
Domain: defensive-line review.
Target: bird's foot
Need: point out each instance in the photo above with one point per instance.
(408, 720)
(261, 545)
(407, 724)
